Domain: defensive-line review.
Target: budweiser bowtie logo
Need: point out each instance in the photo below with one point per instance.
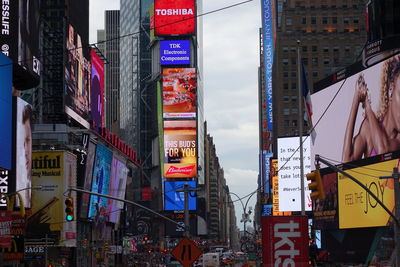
(183, 170)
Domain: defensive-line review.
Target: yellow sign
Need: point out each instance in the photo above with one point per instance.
(357, 208)
(275, 191)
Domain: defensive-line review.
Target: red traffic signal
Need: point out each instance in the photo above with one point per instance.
(316, 187)
(69, 209)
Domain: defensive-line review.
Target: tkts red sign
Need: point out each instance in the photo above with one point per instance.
(285, 241)
(174, 17)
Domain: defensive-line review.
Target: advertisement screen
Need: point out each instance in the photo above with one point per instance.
(326, 211)
(174, 200)
(91, 151)
(23, 150)
(180, 150)
(179, 92)
(119, 174)
(5, 112)
(77, 79)
(54, 171)
(97, 91)
(356, 207)
(285, 240)
(101, 181)
(275, 190)
(289, 173)
(174, 17)
(175, 52)
(363, 113)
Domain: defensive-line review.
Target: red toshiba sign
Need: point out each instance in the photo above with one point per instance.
(285, 241)
(174, 17)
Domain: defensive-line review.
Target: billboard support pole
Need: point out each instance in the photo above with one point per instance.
(300, 123)
(186, 189)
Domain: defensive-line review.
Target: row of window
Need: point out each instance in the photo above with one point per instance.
(314, 61)
(324, 20)
(325, 49)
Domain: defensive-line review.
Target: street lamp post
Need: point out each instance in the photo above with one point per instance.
(245, 216)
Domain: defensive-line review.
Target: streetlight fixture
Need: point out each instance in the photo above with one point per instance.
(246, 214)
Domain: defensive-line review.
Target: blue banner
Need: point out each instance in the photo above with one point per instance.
(174, 200)
(266, 171)
(268, 50)
(175, 52)
(5, 111)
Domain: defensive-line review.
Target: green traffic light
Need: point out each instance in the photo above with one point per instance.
(69, 218)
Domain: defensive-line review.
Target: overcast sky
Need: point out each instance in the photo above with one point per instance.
(231, 60)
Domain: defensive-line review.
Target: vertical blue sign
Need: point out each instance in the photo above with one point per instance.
(268, 50)
(266, 171)
(5, 111)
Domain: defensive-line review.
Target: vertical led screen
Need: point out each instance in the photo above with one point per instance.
(174, 17)
(174, 200)
(77, 79)
(364, 110)
(101, 181)
(54, 171)
(97, 91)
(289, 173)
(356, 207)
(5, 112)
(119, 174)
(179, 92)
(180, 149)
(23, 150)
(84, 205)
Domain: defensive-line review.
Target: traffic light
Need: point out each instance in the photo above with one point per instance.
(316, 185)
(69, 209)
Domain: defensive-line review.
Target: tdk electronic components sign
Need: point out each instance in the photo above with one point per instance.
(175, 52)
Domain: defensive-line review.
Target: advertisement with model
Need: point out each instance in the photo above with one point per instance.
(54, 172)
(119, 174)
(179, 92)
(77, 79)
(180, 149)
(176, 17)
(363, 107)
(101, 182)
(97, 91)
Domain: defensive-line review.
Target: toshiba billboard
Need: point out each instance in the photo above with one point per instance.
(174, 17)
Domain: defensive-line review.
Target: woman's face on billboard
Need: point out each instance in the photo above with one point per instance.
(28, 144)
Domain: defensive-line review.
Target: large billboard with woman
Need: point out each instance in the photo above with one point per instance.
(358, 117)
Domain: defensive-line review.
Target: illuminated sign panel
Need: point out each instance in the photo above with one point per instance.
(356, 207)
(77, 79)
(175, 52)
(179, 92)
(174, 17)
(180, 149)
(97, 91)
(371, 93)
(174, 200)
(5, 111)
(289, 173)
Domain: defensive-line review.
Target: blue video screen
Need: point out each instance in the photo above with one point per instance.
(176, 200)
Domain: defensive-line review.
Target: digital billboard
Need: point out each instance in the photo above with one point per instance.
(326, 211)
(174, 200)
(54, 172)
(356, 207)
(87, 184)
(174, 17)
(77, 79)
(289, 173)
(175, 52)
(101, 181)
(97, 91)
(179, 92)
(119, 173)
(363, 109)
(5, 112)
(180, 149)
(275, 190)
(23, 150)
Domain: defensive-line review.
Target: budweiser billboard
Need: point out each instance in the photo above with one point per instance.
(285, 241)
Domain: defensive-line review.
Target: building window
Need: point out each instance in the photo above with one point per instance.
(314, 48)
(294, 123)
(336, 61)
(285, 49)
(285, 86)
(356, 20)
(285, 98)
(336, 49)
(295, 110)
(293, 48)
(294, 98)
(288, 22)
(304, 48)
(325, 49)
(286, 123)
(293, 86)
(326, 60)
(305, 61)
(324, 20)
(334, 20)
(313, 20)
(293, 60)
(285, 61)
(286, 111)
(285, 74)
(303, 20)
(315, 73)
(293, 74)
(346, 20)
(315, 61)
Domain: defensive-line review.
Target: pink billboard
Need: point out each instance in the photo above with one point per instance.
(97, 91)
(119, 174)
